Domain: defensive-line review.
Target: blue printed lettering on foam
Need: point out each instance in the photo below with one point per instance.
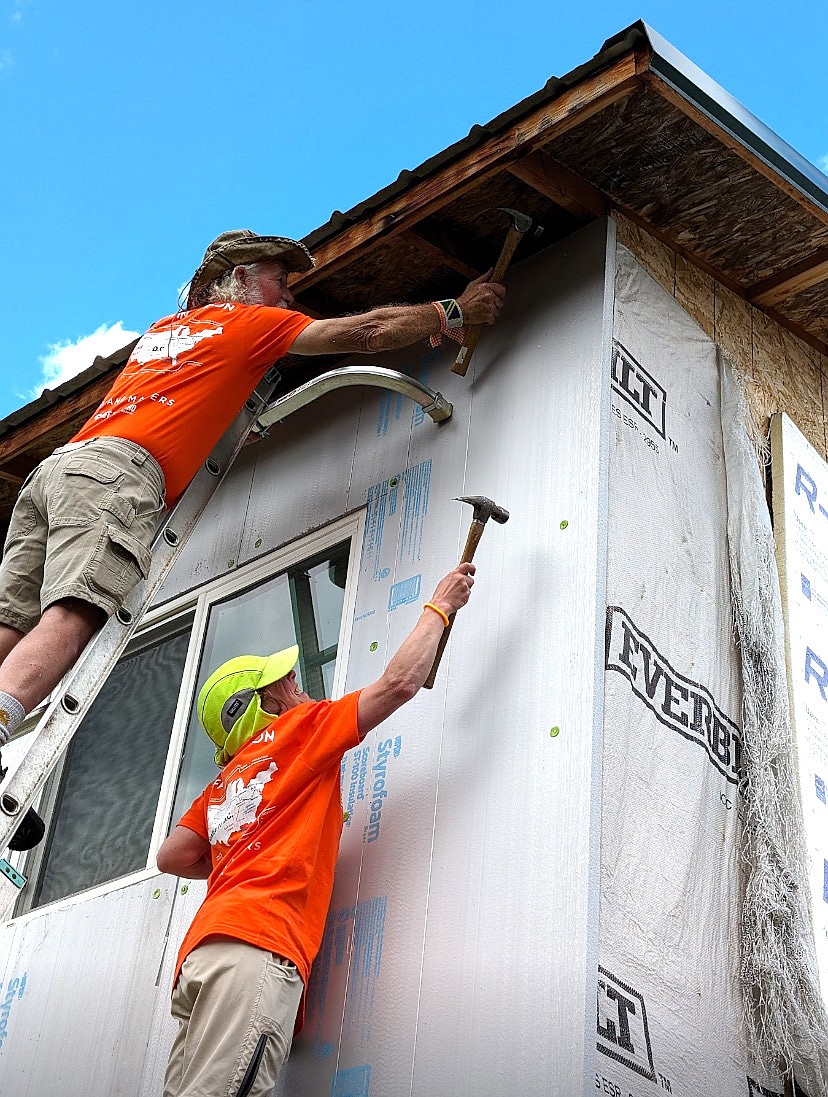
(356, 785)
(353, 1082)
(404, 592)
(806, 485)
(362, 928)
(383, 502)
(816, 669)
(825, 881)
(384, 414)
(379, 790)
(14, 991)
(820, 787)
(806, 586)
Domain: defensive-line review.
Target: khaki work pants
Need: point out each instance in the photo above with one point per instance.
(236, 1006)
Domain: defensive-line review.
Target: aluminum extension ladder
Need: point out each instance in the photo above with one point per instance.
(71, 700)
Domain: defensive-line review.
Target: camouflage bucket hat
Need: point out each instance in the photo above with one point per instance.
(228, 706)
(243, 246)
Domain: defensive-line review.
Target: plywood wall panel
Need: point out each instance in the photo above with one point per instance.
(694, 292)
(785, 371)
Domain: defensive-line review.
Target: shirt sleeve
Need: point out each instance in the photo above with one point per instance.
(195, 817)
(269, 333)
(334, 731)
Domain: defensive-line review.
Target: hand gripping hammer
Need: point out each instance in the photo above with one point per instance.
(484, 509)
(521, 224)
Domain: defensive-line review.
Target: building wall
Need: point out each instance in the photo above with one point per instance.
(784, 373)
(461, 954)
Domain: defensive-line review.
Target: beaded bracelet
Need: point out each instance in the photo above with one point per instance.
(439, 612)
(451, 322)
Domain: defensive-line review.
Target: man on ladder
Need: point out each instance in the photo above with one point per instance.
(79, 536)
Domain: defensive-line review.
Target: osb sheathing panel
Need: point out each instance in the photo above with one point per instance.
(649, 157)
(782, 372)
(399, 267)
(810, 309)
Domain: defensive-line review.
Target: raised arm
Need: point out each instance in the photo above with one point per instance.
(409, 668)
(185, 853)
(397, 326)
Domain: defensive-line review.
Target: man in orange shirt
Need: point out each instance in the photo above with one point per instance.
(80, 533)
(265, 834)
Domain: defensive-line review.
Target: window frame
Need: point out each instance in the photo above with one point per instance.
(158, 622)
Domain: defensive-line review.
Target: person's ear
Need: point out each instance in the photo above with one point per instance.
(240, 274)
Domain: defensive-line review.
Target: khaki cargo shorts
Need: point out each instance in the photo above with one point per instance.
(236, 1006)
(82, 527)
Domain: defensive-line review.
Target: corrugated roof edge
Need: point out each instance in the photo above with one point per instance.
(74, 384)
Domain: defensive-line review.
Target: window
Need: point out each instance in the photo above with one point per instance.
(140, 757)
(104, 806)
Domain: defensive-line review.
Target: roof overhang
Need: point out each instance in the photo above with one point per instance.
(638, 129)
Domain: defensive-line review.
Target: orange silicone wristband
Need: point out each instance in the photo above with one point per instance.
(439, 612)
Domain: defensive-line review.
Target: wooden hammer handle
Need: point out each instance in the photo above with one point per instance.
(472, 541)
(461, 362)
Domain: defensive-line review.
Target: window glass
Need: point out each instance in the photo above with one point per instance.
(108, 792)
(301, 606)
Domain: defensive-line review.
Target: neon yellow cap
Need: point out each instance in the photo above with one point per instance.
(228, 705)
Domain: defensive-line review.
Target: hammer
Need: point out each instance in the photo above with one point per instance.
(521, 224)
(484, 509)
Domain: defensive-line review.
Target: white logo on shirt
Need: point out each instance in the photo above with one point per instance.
(167, 345)
(238, 808)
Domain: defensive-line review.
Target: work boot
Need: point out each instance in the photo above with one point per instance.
(29, 833)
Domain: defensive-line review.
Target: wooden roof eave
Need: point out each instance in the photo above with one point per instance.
(511, 149)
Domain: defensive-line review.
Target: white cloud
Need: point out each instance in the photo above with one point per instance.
(822, 164)
(67, 359)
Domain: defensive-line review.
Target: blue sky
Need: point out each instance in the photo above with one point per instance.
(134, 134)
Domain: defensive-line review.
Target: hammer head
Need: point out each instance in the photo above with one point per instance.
(484, 509)
(522, 222)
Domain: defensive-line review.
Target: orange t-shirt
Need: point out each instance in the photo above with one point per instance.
(187, 379)
(273, 818)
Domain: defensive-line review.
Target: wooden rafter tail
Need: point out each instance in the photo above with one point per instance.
(428, 246)
(560, 185)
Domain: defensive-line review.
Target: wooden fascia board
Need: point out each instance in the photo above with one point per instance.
(781, 287)
(690, 110)
(60, 414)
(528, 133)
(560, 185)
